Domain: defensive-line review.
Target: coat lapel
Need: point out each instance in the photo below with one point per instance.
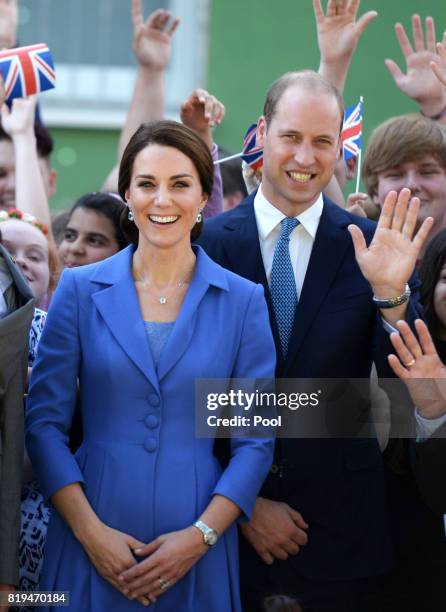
(118, 305)
(330, 245)
(207, 273)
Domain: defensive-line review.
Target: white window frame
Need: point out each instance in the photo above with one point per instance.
(92, 96)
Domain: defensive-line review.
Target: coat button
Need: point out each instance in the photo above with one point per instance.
(150, 444)
(151, 421)
(274, 468)
(153, 399)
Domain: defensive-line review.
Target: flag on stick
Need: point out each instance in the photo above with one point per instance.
(251, 154)
(352, 131)
(27, 70)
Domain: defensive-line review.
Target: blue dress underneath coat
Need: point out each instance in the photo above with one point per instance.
(141, 466)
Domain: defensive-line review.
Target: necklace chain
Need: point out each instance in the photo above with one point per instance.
(162, 299)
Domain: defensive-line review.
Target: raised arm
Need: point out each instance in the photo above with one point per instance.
(417, 363)
(419, 81)
(18, 122)
(388, 262)
(152, 48)
(338, 33)
(201, 112)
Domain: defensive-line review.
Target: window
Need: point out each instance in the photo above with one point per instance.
(91, 44)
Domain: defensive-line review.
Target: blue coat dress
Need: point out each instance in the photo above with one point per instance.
(141, 466)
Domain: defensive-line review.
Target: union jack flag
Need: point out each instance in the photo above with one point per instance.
(352, 131)
(252, 154)
(27, 70)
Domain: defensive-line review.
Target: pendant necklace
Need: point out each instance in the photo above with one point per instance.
(162, 299)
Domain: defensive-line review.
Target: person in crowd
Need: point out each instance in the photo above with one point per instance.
(409, 152)
(16, 313)
(20, 137)
(414, 160)
(426, 368)
(27, 242)
(329, 271)
(93, 231)
(234, 188)
(417, 469)
(157, 312)
(201, 111)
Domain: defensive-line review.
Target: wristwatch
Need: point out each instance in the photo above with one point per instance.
(210, 536)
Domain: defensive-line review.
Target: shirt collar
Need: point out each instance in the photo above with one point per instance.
(268, 216)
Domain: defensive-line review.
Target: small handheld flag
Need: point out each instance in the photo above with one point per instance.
(352, 131)
(27, 70)
(251, 154)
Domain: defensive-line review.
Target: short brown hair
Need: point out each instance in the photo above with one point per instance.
(168, 134)
(400, 140)
(308, 79)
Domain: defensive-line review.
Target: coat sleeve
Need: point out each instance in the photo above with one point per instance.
(12, 385)
(52, 394)
(251, 458)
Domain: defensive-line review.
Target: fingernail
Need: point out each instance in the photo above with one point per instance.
(138, 551)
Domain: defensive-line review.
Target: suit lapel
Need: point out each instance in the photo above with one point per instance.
(242, 249)
(330, 245)
(118, 305)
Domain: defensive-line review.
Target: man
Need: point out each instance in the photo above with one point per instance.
(409, 151)
(329, 491)
(16, 313)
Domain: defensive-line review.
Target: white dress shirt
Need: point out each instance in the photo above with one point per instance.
(268, 219)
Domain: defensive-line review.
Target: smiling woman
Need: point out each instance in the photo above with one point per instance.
(33, 252)
(144, 499)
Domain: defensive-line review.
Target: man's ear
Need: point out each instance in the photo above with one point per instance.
(261, 132)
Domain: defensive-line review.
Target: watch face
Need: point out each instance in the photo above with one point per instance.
(211, 538)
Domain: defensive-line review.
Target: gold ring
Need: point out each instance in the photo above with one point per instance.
(410, 364)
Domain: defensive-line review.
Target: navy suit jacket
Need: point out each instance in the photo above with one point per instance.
(336, 484)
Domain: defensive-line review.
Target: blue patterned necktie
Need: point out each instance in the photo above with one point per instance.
(283, 284)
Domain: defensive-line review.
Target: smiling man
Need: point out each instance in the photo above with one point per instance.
(319, 530)
(409, 151)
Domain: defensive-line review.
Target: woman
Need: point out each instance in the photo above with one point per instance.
(416, 481)
(93, 230)
(137, 330)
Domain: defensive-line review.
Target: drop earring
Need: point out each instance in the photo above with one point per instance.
(130, 215)
(199, 216)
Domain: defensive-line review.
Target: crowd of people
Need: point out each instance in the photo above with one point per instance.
(180, 269)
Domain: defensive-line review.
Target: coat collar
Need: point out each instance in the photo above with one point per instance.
(117, 301)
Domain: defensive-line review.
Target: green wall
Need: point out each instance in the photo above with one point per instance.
(83, 159)
(253, 42)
